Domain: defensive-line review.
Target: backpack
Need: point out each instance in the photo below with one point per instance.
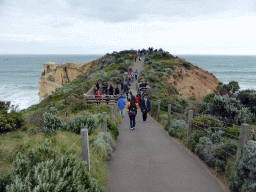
(133, 109)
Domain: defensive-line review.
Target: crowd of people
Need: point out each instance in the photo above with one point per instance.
(133, 103)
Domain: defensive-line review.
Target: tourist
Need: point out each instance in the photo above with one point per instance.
(111, 90)
(132, 76)
(98, 95)
(98, 85)
(126, 87)
(95, 90)
(132, 107)
(136, 74)
(122, 85)
(103, 87)
(129, 95)
(138, 99)
(121, 105)
(145, 107)
(117, 90)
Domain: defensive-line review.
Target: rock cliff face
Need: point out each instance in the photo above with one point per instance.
(55, 76)
(195, 82)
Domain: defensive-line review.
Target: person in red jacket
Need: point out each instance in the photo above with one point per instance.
(138, 99)
(98, 95)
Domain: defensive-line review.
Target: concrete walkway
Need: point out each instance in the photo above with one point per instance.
(148, 159)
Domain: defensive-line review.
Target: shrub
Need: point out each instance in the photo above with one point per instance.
(89, 121)
(244, 175)
(69, 174)
(79, 106)
(178, 128)
(205, 121)
(113, 128)
(196, 135)
(187, 65)
(248, 98)
(10, 121)
(52, 123)
(106, 143)
(232, 132)
(36, 118)
(209, 97)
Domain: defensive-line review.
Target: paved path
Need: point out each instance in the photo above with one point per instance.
(147, 159)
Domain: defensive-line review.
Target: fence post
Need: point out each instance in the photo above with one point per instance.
(243, 138)
(111, 113)
(169, 114)
(158, 110)
(85, 147)
(104, 122)
(190, 117)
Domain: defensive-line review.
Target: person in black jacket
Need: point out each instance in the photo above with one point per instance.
(98, 85)
(111, 90)
(145, 107)
(117, 90)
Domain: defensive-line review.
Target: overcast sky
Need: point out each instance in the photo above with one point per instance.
(101, 26)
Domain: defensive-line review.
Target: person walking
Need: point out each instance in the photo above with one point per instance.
(132, 108)
(132, 75)
(145, 107)
(138, 99)
(121, 105)
(136, 74)
(126, 87)
(117, 90)
(129, 95)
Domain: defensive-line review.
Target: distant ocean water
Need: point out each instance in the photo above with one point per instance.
(20, 74)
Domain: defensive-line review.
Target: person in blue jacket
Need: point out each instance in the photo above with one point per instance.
(126, 87)
(122, 104)
(145, 107)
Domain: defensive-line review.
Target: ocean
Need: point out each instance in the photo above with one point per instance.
(20, 74)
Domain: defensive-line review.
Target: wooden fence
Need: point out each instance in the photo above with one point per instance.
(90, 98)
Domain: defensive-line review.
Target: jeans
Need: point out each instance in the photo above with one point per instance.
(136, 77)
(144, 116)
(132, 79)
(122, 112)
(132, 121)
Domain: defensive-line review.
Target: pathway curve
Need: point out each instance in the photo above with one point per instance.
(147, 159)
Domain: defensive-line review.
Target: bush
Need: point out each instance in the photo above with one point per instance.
(113, 128)
(79, 106)
(106, 143)
(89, 121)
(52, 123)
(36, 118)
(196, 135)
(232, 133)
(209, 97)
(10, 121)
(205, 121)
(178, 129)
(228, 110)
(248, 98)
(187, 65)
(69, 174)
(244, 175)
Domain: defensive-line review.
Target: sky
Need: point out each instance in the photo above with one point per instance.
(216, 27)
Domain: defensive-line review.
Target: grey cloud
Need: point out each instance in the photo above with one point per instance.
(122, 11)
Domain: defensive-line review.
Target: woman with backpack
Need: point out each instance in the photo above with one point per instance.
(132, 107)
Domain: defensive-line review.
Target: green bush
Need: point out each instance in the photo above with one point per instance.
(36, 118)
(52, 123)
(89, 121)
(113, 128)
(187, 65)
(39, 172)
(10, 121)
(178, 129)
(196, 135)
(232, 133)
(205, 121)
(80, 106)
(228, 110)
(106, 143)
(209, 97)
(248, 98)
(244, 175)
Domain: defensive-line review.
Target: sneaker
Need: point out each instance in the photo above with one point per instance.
(133, 128)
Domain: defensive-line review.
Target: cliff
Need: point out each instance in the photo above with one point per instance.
(192, 81)
(55, 76)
